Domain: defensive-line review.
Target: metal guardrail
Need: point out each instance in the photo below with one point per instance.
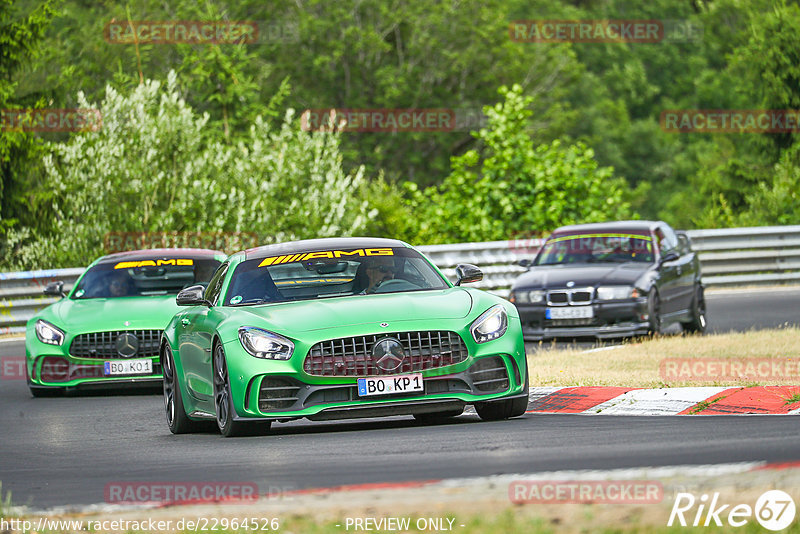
(729, 257)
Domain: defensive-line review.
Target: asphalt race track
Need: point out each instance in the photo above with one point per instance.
(64, 451)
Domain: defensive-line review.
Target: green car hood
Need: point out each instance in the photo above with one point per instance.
(318, 314)
(97, 315)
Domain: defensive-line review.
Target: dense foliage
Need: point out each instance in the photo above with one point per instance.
(215, 147)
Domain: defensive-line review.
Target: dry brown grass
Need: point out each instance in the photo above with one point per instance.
(636, 362)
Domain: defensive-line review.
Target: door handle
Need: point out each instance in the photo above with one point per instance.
(185, 321)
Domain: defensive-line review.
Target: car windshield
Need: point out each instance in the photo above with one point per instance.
(141, 278)
(596, 248)
(330, 273)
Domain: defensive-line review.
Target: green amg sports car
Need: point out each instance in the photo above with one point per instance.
(106, 331)
(339, 328)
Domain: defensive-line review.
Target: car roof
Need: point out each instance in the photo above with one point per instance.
(164, 253)
(325, 243)
(614, 226)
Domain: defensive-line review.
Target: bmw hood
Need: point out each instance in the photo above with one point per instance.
(104, 314)
(319, 314)
(557, 276)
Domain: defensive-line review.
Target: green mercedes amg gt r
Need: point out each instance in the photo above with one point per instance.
(107, 330)
(339, 328)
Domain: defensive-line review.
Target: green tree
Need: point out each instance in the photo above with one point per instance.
(512, 186)
(155, 166)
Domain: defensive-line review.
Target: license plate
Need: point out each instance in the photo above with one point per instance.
(576, 312)
(128, 367)
(384, 385)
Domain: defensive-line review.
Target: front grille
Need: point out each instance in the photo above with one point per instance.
(277, 394)
(489, 375)
(352, 356)
(104, 344)
(564, 297)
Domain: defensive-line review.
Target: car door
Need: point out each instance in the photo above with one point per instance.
(669, 271)
(198, 324)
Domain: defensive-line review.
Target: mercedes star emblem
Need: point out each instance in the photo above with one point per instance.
(570, 283)
(384, 325)
(387, 353)
(127, 345)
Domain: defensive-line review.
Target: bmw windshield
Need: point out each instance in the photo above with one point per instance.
(331, 273)
(596, 248)
(143, 278)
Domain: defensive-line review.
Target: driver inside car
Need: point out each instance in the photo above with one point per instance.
(378, 271)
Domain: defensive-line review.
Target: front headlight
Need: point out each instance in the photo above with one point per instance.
(490, 325)
(617, 292)
(529, 297)
(263, 344)
(48, 333)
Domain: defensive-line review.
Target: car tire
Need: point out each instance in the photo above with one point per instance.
(177, 420)
(223, 402)
(698, 323)
(495, 411)
(654, 313)
(436, 417)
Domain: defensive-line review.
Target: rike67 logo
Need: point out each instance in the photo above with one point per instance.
(774, 510)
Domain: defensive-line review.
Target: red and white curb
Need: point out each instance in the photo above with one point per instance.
(602, 400)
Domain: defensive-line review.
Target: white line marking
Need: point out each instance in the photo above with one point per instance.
(10, 339)
(601, 349)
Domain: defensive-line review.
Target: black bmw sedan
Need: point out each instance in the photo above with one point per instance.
(607, 280)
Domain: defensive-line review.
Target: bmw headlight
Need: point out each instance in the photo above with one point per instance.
(528, 297)
(490, 325)
(263, 344)
(616, 292)
(48, 333)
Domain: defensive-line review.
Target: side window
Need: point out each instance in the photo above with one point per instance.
(669, 243)
(215, 285)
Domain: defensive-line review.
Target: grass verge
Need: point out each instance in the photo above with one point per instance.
(636, 362)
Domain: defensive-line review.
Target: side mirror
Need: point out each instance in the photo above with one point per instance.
(670, 256)
(466, 273)
(192, 296)
(55, 289)
(525, 263)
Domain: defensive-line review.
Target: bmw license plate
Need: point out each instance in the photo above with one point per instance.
(384, 385)
(571, 312)
(128, 367)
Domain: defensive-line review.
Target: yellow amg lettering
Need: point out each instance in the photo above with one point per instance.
(379, 252)
(315, 255)
(126, 264)
(165, 262)
(356, 252)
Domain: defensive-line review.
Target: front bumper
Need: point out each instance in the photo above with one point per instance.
(613, 319)
(52, 366)
(283, 390)
(497, 377)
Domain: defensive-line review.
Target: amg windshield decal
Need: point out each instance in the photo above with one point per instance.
(325, 254)
(153, 263)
